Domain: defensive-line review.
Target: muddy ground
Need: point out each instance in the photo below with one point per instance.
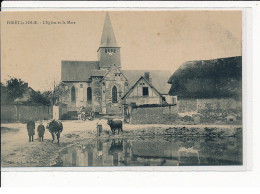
(18, 152)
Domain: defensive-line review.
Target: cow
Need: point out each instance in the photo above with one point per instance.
(115, 125)
(55, 128)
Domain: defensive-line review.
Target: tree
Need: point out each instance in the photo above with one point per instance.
(15, 88)
(41, 98)
(3, 94)
(59, 91)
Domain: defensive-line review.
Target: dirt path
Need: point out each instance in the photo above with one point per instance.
(18, 152)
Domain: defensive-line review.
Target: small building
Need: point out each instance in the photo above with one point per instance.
(143, 92)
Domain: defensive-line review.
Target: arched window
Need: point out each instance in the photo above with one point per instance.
(89, 94)
(114, 94)
(73, 94)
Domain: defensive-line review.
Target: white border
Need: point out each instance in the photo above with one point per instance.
(247, 70)
(74, 5)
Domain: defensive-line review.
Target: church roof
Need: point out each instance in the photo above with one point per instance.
(108, 38)
(83, 70)
(78, 70)
(98, 73)
(159, 78)
(117, 69)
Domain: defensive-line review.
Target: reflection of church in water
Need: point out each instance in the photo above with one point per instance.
(119, 152)
(97, 153)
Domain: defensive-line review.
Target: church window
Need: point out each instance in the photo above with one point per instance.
(114, 50)
(145, 91)
(108, 50)
(89, 94)
(114, 94)
(105, 50)
(81, 93)
(73, 94)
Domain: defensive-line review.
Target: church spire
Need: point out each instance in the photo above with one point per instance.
(108, 37)
(108, 51)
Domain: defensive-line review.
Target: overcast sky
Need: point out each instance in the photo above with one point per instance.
(148, 39)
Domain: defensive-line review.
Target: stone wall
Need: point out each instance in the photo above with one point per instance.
(196, 105)
(189, 105)
(211, 110)
(12, 113)
(154, 115)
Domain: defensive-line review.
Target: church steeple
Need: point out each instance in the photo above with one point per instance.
(108, 51)
(108, 38)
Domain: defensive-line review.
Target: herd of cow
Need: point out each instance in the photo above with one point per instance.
(55, 127)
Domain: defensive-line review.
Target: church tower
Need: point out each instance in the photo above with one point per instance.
(108, 51)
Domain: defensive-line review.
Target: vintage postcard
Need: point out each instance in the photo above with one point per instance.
(106, 88)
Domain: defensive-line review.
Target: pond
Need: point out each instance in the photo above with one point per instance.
(151, 151)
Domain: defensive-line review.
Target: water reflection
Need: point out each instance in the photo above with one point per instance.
(115, 149)
(189, 154)
(161, 152)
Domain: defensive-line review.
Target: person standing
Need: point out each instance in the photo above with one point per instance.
(31, 129)
(41, 131)
(99, 127)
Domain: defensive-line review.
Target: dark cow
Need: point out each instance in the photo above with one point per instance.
(55, 128)
(115, 125)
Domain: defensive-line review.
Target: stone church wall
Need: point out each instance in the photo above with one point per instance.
(114, 79)
(96, 94)
(65, 97)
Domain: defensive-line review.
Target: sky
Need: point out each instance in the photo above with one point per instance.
(149, 40)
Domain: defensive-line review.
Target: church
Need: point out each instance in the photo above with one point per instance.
(103, 86)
